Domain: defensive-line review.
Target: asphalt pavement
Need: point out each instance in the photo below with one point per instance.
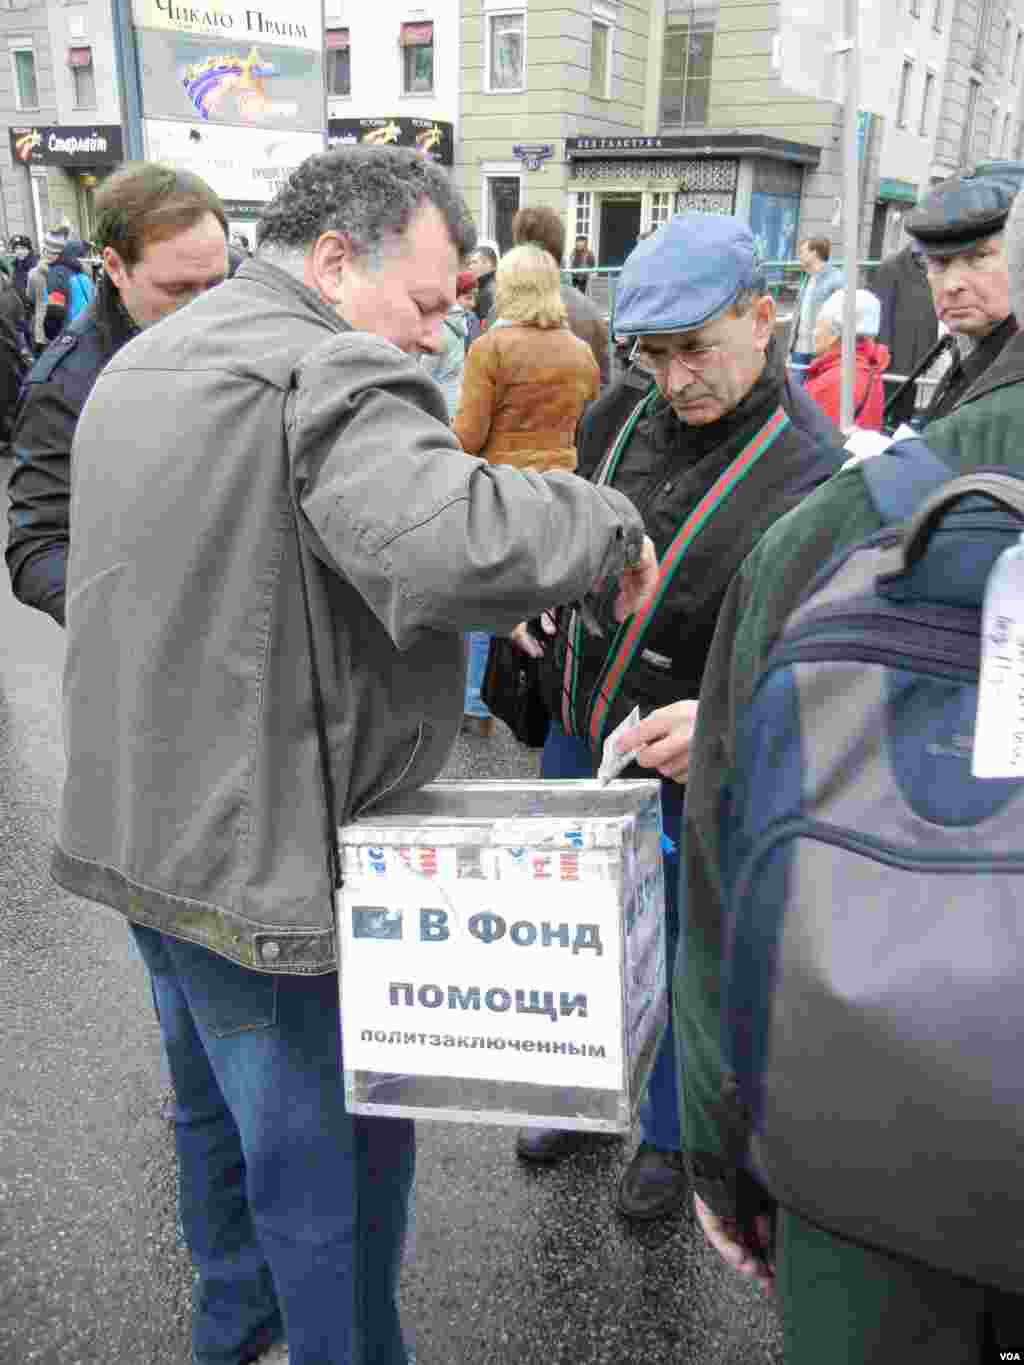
(508, 1265)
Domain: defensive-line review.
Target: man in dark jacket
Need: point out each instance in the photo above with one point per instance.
(157, 232)
(12, 362)
(909, 327)
(25, 261)
(484, 263)
(958, 227)
(710, 445)
(839, 1300)
(545, 228)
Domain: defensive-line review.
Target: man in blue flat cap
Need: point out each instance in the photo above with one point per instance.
(711, 458)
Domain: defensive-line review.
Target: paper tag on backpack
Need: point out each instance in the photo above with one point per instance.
(999, 727)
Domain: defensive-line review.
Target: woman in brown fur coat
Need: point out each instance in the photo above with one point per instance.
(526, 383)
(528, 378)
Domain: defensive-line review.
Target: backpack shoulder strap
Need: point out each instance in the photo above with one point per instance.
(901, 478)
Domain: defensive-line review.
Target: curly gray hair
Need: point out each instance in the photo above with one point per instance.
(370, 194)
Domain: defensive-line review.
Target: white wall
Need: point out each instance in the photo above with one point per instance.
(374, 27)
(907, 152)
(84, 25)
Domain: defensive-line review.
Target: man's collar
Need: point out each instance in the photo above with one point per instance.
(281, 282)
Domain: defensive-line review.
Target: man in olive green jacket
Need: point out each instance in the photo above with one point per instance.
(839, 1301)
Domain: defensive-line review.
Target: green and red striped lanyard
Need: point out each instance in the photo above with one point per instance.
(632, 631)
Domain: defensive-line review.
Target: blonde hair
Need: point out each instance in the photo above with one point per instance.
(528, 288)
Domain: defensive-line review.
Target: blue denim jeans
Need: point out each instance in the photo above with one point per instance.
(566, 756)
(799, 363)
(294, 1210)
(479, 642)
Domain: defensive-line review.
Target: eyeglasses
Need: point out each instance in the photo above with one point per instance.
(695, 358)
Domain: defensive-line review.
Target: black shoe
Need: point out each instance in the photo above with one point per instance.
(547, 1144)
(653, 1185)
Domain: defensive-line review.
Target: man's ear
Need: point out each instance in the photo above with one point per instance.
(326, 264)
(764, 321)
(115, 267)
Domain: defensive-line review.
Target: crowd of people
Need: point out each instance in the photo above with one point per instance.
(371, 441)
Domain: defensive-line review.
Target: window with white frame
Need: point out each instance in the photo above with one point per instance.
(417, 44)
(903, 98)
(506, 52)
(339, 61)
(83, 79)
(584, 205)
(970, 117)
(926, 102)
(23, 61)
(661, 208)
(600, 59)
(686, 62)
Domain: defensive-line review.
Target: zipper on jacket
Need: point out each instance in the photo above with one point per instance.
(398, 780)
(799, 827)
(867, 637)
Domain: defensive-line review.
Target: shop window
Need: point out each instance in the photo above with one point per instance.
(661, 208)
(339, 61)
(417, 44)
(600, 59)
(686, 64)
(26, 91)
(584, 209)
(83, 78)
(506, 52)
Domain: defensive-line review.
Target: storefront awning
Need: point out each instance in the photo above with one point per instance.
(698, 143)
(416, 35)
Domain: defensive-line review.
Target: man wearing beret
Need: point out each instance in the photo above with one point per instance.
(840, 1301)
(958, 228)
(709, 448)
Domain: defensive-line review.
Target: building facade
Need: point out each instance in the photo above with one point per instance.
(621, 112)
(392, 74)
(59, 102)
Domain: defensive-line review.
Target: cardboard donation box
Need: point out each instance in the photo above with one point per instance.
(503, 953)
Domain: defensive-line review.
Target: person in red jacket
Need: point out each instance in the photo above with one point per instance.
(825, 373)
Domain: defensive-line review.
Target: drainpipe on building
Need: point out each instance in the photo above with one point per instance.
(126, 56)
(850, 44)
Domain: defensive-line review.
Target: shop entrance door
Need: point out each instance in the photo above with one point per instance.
(620, 227)
(502, 207)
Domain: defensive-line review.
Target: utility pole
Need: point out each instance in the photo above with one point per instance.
(126, 57)
(850, 45)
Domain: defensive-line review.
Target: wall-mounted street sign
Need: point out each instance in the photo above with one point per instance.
(532, 154)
